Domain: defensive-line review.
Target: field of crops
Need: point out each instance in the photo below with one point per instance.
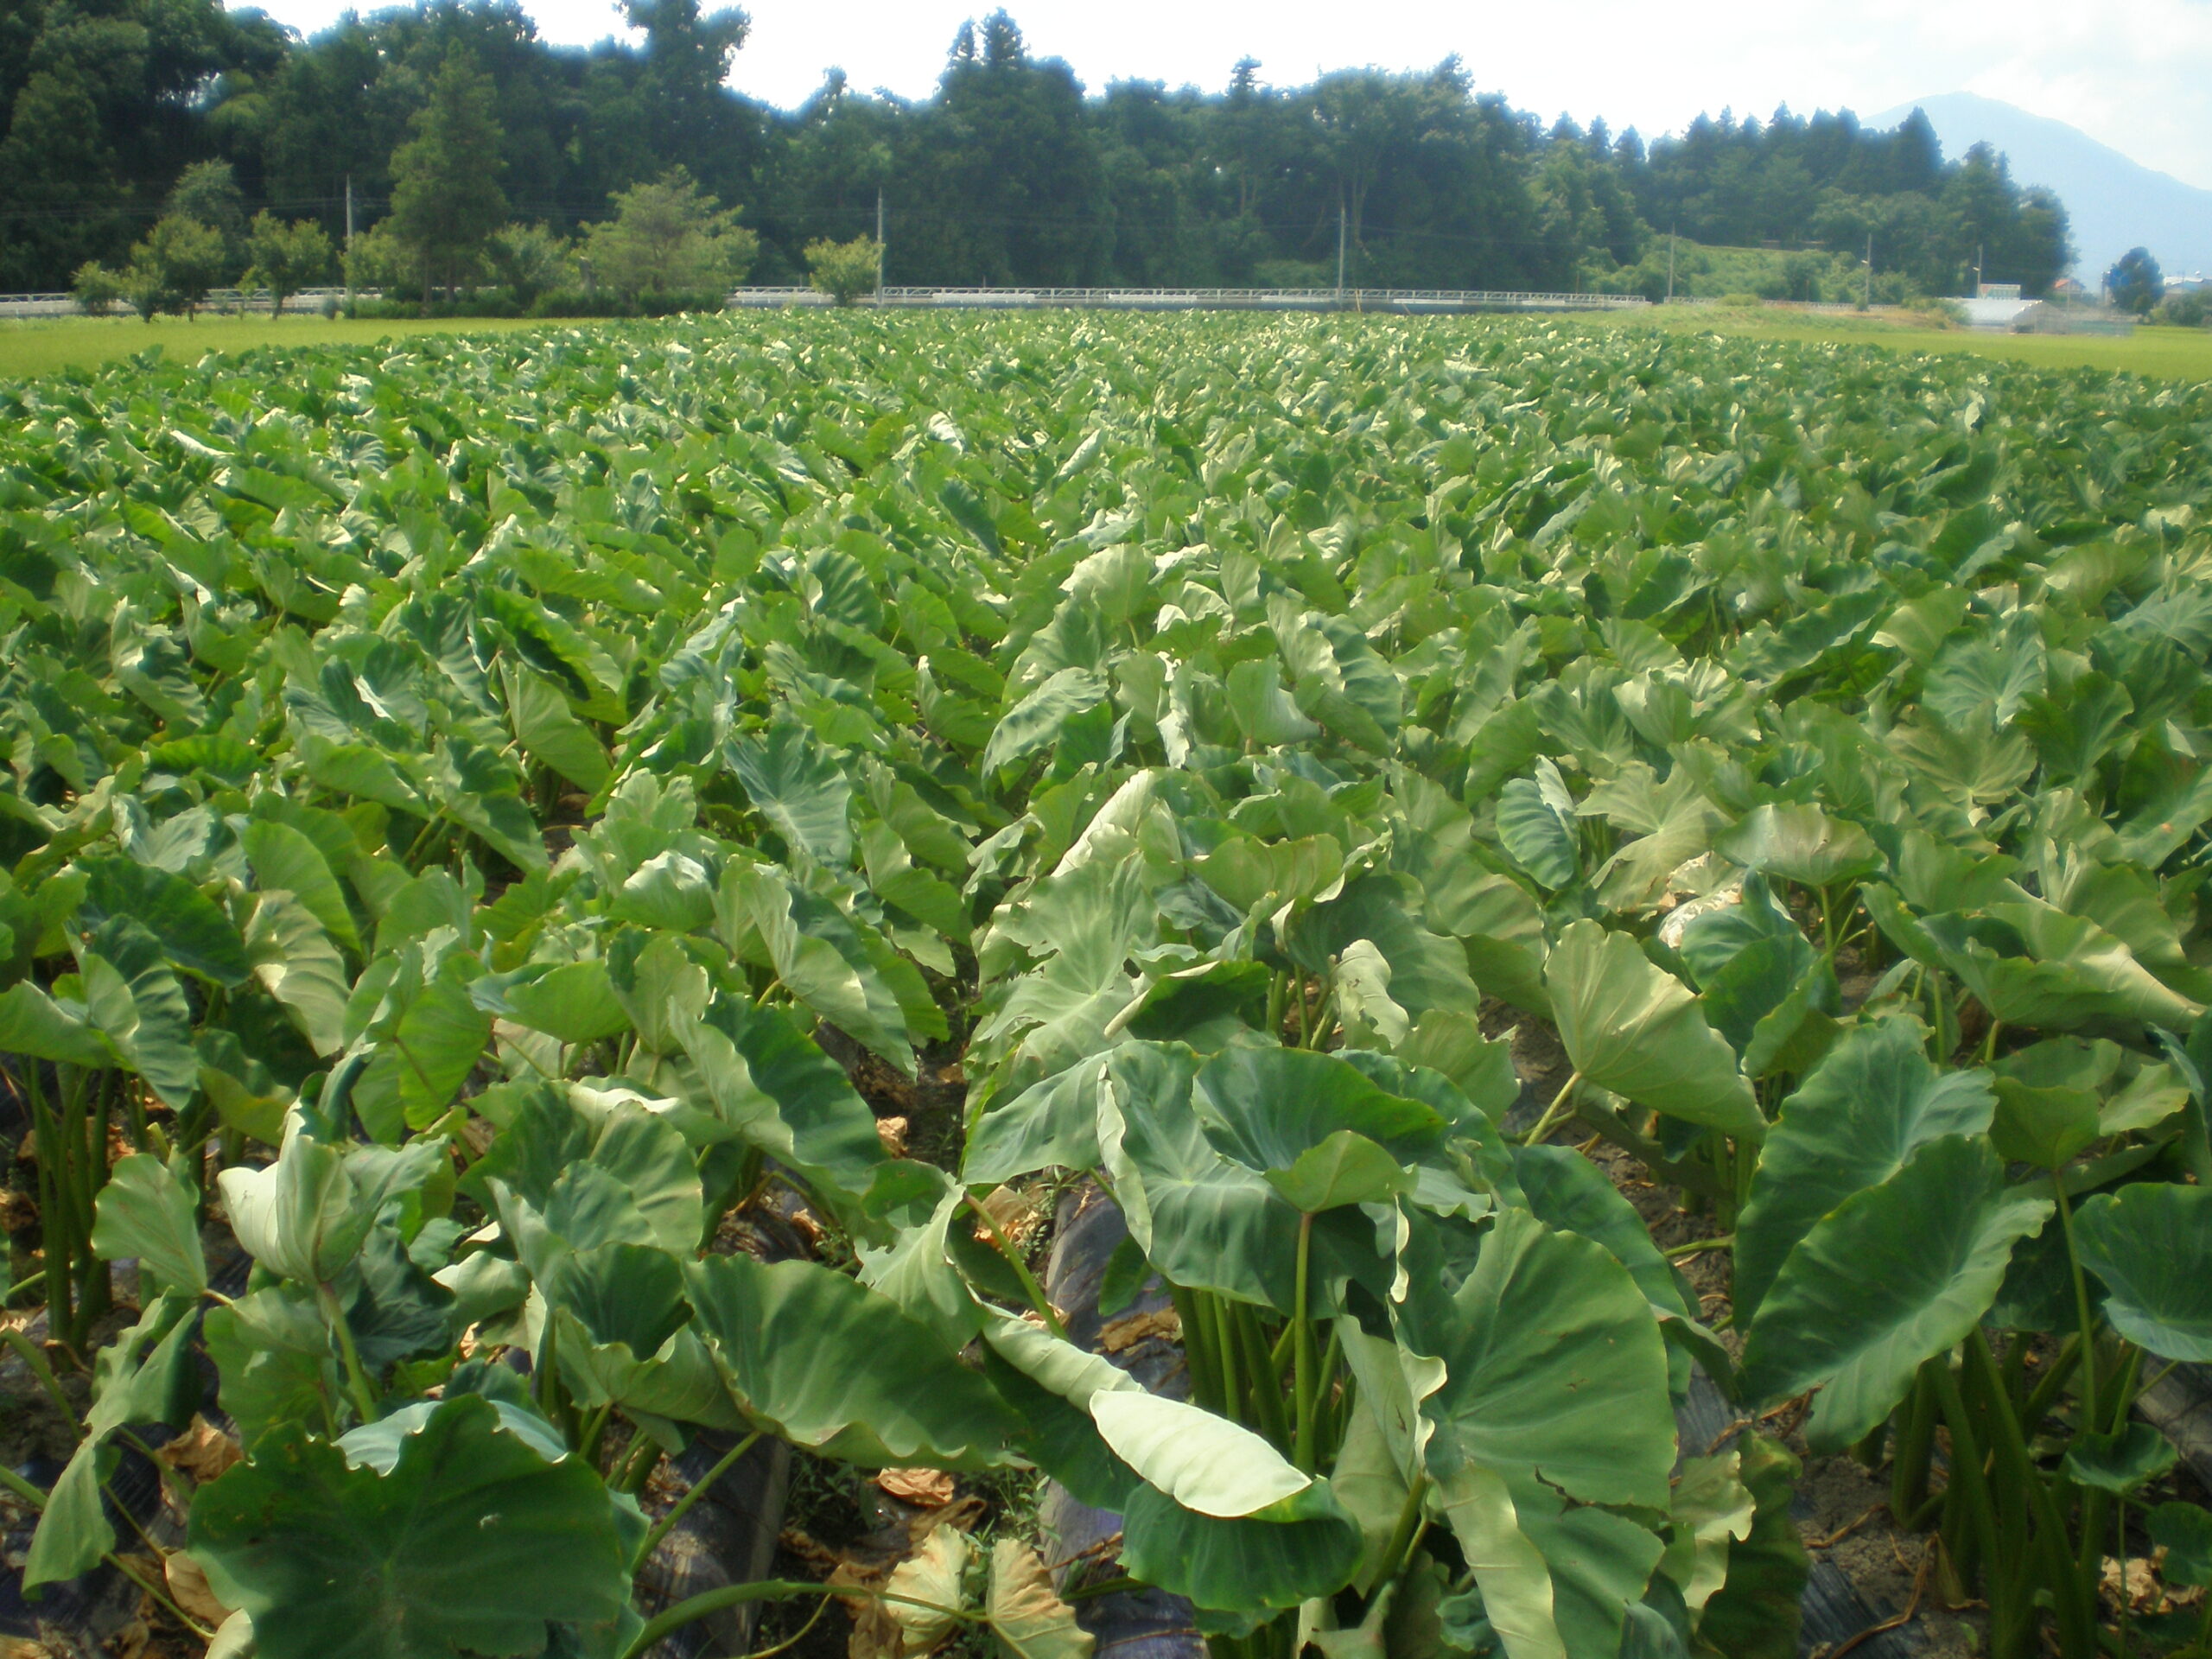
(494, 828)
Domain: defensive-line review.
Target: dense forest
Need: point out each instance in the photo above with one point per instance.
(1012, 172)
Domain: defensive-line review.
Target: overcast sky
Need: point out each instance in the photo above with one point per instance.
(2130, 72)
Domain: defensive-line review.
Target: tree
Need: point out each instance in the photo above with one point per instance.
(97, 289)
(208, 191)
(173, 269)
(379, 259)
(526, 260)
(682, 102)
(1003, 167)
(668, 237)
(286, 255)
(844, 271)
(446, 199)
(2136, 284)
(57, 171)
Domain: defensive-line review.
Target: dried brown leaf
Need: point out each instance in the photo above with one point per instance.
(1126, 1333)
(189, 1585)
(2144, 1593)
(1015, 1213)
(930, 1488)
(891, 1131)
(203, 1450)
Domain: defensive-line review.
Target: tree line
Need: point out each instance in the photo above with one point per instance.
(476, 153)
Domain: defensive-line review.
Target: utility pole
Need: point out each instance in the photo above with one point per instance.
(1868, 302)
(878, 245)
(1978, 250)
(1340, 250)
(349, 241)
(1670, 265)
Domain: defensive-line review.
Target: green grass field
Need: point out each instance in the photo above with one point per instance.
(2164, 353)
(40, 346)
(49, 343)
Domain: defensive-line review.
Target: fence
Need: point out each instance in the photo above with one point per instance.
(1399, 301)
(307, 300)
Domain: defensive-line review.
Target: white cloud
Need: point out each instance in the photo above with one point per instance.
(2129, 72)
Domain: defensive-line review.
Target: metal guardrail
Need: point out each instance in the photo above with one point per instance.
(1386, 300)
(1209, 299)
(217, 300)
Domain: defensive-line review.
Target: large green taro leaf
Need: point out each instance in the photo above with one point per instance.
(1756, 1613)
(300, 1217)
(139, 1005)
(820, 955)
(194, 931)
(471, 1541)
(1555, 1403)
(1801, 844)
(145, 1211)
(1538, 835)
(2152, 1244)
(422, 1060)
(1036, 722)
(2031, 965)
(1427, 969)
(1268, 1107)
(571, 1002)
(834, 1367)
(33, 1024)
(1873, 1101)
(1895, 1274)
(773, 1088)
(287, 859)
(1204, 1220)
(1202, 1461)
(795, 783)
(1052, 1384)
(1052, 1122)
(1635, 1029)
(1304, 1547)
(1567, 1192)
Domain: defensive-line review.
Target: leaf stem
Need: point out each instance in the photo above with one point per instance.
(2082, 1311)
(161, 1595)
(34, 1495)
(1554, 1112)
(694, 1608)
(1405, 1534)
(1303, 1356)
(1029, 1287)
(638, 1467)
(357, 1380)
(682, 1507)
(1198, 1353)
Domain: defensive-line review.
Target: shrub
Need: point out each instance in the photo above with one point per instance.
(669, 237)
(97, 289)
(844, 271)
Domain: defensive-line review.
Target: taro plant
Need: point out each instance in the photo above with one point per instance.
(459, 797)
(1886, 1258)
(1427, 1370)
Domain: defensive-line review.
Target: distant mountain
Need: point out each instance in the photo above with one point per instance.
(2115, 203)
